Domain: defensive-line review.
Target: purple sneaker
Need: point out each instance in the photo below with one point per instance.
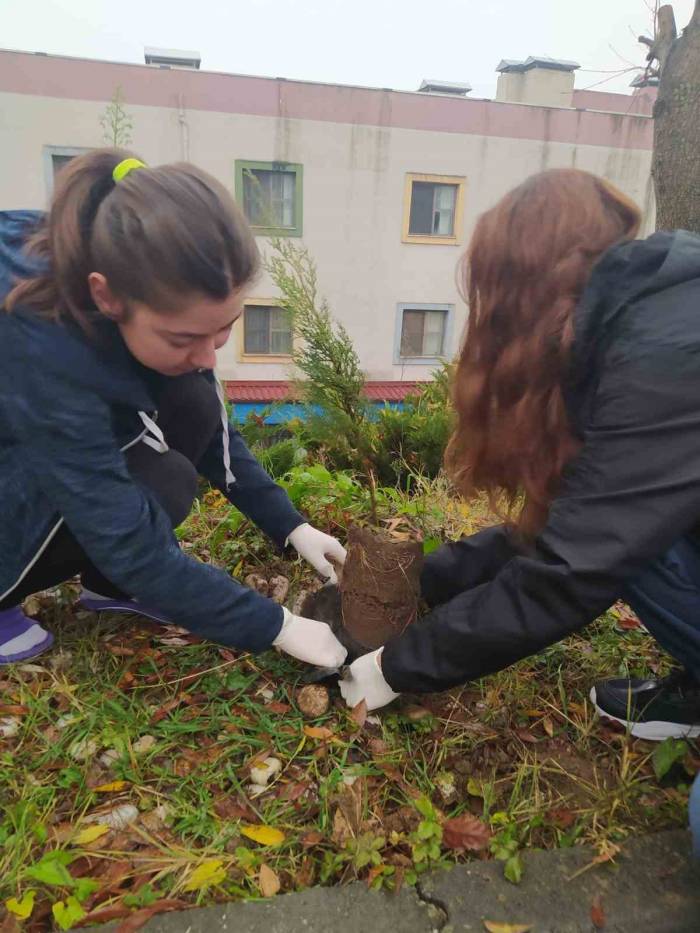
(21, 638)
(93, 602)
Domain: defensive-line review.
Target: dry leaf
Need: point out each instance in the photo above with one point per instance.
(90, 834)
(265, 835)
(140, 917)
(561, 818)
(465, 832)
(318, 732)
(117, 818)
(311, 838)
(548, 726)
(494, 927)
(358, 713)
(416, 713)
(268, 881)
(597, 913)
(205, 875)
(111, 788)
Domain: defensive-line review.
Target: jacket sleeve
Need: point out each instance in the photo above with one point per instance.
(67, 443)
(254, 492)
(630, 493)
(462, 565)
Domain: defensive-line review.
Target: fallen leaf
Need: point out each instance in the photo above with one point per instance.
(416, 713)
(13, 709)
(265, 835)
(227, 808)
(597, 913)
(268, 881)
(137, 919)
(561, 818)
(311, 838)
(117, 818)
(111, 788)
(67, 913)
(465, 832)
(23, 907)
(205, 875)
(292, 791)
(276, 707)
(358, 713)
(90, 834)
(318, 732)
(493, 927)
(526, 736)
(548, 726)
(166, 709)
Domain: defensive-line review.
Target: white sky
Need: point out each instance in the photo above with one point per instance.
(381, 43)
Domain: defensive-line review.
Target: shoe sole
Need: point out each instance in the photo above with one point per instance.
(116, 606)
(30, 653)
(652, 731)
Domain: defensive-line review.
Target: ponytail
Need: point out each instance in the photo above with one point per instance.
(158, 236)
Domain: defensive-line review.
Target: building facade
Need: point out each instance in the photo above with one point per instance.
(382, 186)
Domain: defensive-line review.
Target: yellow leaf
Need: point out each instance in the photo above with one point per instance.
(265, 835)
(507, 927)
(318, 732)
(23, 908)
(208, 873)
(111, 787)
(90, 833)
(268, 881)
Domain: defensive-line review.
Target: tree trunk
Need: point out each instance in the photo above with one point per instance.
(676, 161)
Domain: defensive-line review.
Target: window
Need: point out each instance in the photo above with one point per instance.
(267, 331)
(433, 207)
(271, 196)
(56, 158)
(423, 333)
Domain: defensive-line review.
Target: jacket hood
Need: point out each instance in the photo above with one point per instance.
(625, 273)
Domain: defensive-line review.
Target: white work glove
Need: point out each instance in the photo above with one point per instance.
(316, 547)
(310, 641)
(364, 681)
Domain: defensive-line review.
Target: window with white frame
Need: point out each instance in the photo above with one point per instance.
(422, 332)
(267, 331)
(433, 208)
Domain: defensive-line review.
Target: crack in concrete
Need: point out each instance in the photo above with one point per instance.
(438, 905)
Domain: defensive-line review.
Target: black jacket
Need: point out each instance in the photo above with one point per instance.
(634, 399)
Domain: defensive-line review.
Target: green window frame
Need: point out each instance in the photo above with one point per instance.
(285, 183)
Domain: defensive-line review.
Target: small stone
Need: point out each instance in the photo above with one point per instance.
(144, 744)
(84, 749)
(263, 773)
(313, 700)
(9, 727)
(266, 694)
(64, 721)
(257, 583)
(108, 758)
(446, 785)
(279, 588)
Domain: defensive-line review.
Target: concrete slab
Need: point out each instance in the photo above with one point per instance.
(654, 887)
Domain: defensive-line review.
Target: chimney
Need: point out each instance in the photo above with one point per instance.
(171, 58)
(544, 82)
(455, 88)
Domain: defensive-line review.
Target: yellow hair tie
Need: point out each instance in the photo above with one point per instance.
(125, 166)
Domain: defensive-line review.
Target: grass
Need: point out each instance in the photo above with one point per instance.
(514, 761)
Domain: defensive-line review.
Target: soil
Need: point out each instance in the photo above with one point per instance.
(380, 587)
(379, 593)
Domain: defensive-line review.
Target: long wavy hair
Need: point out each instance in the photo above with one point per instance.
(522, 276)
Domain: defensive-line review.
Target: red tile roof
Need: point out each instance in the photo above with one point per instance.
(240, 390)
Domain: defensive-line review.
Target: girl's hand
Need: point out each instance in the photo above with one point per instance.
(316, 547)
(365, 681)
(310, 641)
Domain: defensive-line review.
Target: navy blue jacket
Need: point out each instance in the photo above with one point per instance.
(68, 408)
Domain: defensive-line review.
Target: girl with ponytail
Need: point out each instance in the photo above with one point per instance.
(113, 307)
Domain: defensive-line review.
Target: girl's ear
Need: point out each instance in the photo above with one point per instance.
(105, 299)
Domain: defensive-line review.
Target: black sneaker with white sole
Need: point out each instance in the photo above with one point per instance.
(652, 709)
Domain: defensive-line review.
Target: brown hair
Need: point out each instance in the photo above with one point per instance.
(158, 236)
(522, 276)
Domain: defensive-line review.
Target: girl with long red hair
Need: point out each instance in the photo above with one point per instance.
(578, 412)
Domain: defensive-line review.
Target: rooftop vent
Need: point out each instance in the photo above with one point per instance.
(445, 87)
(510, 65)
(172, 58)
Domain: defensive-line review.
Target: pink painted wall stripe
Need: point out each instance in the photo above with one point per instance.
(81, 79)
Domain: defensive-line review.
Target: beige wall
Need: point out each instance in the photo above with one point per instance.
(353, 196)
